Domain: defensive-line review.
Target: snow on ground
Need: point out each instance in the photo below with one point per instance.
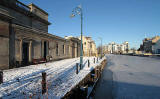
(23, 82)
(135, 77)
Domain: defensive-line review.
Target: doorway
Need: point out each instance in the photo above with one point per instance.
(25, 53)
(45, 50)
(73, 51)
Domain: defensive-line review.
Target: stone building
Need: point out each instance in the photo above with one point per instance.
(89, 46)
(75, 46)
(151, 45)
(24, 37)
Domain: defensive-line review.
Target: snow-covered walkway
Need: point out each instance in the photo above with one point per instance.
(23, 82)
(133, 77)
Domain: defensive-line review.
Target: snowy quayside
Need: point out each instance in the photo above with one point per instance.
(25, 82)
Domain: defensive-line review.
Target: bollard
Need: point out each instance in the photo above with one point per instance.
(76, 68)
(95, 77)
(88, 63)
(1, 77)
(44, 84)
(97, 71)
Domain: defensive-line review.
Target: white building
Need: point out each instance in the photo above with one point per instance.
(117, 48)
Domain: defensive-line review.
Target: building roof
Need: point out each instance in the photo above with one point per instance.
(72, 38)
(155, 39)
(38, 8)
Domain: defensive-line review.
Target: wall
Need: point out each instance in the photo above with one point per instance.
(52, 49)
(4, 45)
(39, 25)
(17, 50)
(36, 49)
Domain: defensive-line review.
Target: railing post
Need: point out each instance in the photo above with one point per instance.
(88, 63)
(1, 77)
(44, 84)
(94, 60)
(76, 68)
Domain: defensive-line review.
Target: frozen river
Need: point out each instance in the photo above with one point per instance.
(129, 77)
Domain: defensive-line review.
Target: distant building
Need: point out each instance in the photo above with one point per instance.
(151, 45)
(89, 46)
(125, 47)
(117, 48)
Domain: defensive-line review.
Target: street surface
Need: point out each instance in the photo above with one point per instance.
(129, 77)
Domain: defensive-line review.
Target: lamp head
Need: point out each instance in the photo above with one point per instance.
(72, 15)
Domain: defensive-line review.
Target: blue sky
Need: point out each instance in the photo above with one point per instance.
(113, 20)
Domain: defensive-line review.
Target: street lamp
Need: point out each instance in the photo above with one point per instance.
(78, 11)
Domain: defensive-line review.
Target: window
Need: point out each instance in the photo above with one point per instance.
(57, 49)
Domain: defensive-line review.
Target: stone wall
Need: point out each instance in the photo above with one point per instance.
(4, 53)
(61, 54)
(39, 25)
(4, 45)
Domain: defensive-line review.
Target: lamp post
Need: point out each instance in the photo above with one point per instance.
(78, 11)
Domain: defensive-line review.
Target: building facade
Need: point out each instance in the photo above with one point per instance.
(117, 48)
(151, 45)
(89, 46)
(74, 49)
(24, 37)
